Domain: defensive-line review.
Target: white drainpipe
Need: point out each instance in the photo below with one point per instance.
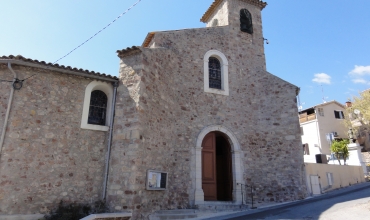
(8, 109)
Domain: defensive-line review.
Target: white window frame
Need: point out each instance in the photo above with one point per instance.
(224, 73)
(107, 88)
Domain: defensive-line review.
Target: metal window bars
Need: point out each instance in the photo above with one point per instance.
(98, 108)
(214, 67)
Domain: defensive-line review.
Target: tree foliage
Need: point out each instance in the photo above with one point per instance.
(340, 150)
(358, 118)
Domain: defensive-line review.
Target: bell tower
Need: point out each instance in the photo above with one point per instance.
(242, 15)
(243, 21)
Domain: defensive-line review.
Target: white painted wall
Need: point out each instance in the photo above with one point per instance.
(310, 137)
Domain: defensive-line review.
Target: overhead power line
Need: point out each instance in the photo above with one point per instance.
(123, 13)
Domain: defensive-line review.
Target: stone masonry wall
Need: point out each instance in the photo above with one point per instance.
(166, 85)
(124, 180)
(46, 156)
(4, 93)
(221, 14)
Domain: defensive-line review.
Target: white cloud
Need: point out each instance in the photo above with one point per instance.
(359, 80)
(360, 71)
(322, 78)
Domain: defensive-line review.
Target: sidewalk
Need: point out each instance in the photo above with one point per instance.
(330, 194)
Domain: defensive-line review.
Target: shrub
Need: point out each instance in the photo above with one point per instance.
(74, 211)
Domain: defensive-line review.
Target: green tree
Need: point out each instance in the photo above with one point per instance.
(340, 150)
(358, 113)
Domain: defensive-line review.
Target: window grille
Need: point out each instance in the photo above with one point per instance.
(214, 67)
(98, 108)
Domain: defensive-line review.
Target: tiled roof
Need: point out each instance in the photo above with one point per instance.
(148, 39)
(128, 51)
(216, 3)
(30, 62)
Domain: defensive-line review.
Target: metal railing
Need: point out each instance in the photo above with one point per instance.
(244, 189)
(305, 118)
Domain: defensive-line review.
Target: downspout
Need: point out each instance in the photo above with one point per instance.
(115, 85)
(318, 132)
(8, 109)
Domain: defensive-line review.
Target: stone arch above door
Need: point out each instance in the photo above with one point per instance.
(237, 167)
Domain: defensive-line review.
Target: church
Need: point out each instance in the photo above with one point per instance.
(192, 120)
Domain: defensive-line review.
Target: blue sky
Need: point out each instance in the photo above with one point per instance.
(317, 45)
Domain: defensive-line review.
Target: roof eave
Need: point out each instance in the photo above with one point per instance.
(148, 39)
(70, 71)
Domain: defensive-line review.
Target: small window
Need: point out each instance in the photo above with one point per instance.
(98, 108)
(321, 112)
(214, 67)
(215, 23)
(339, 114)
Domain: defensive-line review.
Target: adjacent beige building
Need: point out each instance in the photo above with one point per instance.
(319, 123)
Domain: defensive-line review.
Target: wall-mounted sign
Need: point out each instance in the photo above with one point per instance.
(156, 180)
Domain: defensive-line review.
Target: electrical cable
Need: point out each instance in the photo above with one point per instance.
(123, 13)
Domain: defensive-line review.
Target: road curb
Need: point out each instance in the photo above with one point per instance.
(328, 195)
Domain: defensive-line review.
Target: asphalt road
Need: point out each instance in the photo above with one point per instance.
(345, 204)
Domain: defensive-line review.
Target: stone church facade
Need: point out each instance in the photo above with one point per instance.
(197, 105)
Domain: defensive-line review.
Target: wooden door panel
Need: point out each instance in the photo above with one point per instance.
(209, 180)
(208, 166)
(209, 192)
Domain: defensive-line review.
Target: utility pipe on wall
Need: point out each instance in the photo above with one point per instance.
(8, 109)
(115, 84)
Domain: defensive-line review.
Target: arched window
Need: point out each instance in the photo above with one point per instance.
(98, 108)
(214, 67)
(216, 77)
(246, 24)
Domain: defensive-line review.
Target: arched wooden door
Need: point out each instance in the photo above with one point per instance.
(216, 168)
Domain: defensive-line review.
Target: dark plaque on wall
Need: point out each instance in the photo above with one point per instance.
(246, 21)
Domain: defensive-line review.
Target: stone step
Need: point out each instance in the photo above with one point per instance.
(220, 208)
(174, 214)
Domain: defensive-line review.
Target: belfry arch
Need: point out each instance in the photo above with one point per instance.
(236, 163)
